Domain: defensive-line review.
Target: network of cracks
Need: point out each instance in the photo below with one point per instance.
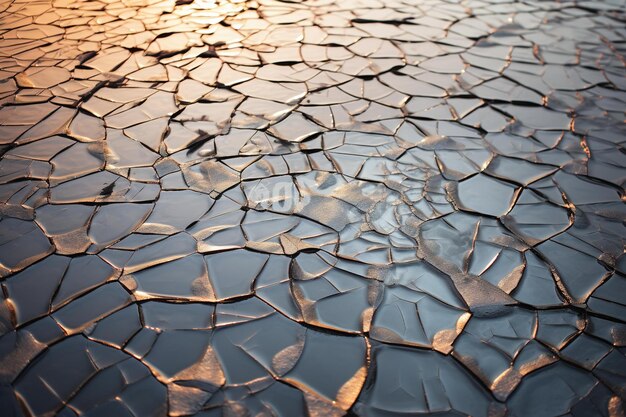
(312, 208)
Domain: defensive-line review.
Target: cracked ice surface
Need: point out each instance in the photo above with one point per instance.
(312, 208)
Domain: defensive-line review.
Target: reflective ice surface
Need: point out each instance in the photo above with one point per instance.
(312, 208)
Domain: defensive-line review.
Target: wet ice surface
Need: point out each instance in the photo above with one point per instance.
(276, 208)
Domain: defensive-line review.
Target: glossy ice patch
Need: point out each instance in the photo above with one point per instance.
(316, 208)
